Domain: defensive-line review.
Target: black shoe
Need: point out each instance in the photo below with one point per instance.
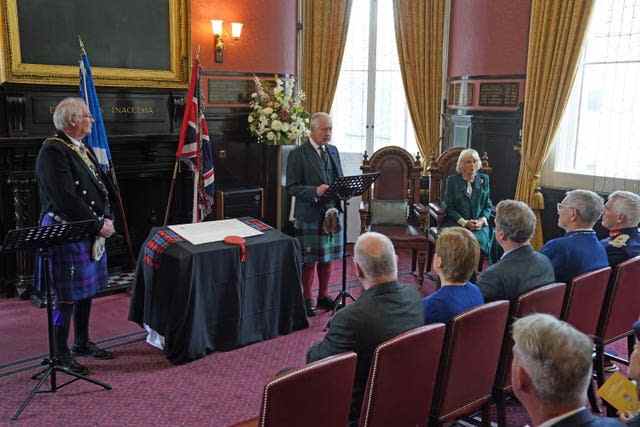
(308, 306)
(326, 303)
(69, 363)
(91, 349)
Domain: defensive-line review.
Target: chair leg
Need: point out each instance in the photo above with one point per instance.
(631, 342)
(486, 415)
(593, 401)
(413, 260)
(501, 409)
(421, 262)
(599, 362)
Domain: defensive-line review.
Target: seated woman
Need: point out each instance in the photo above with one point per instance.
(467, 199)
(455, 260)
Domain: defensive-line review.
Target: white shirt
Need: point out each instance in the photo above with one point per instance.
(319, 148)
(555, 420)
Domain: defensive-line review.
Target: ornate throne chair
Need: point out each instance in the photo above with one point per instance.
(392, 206)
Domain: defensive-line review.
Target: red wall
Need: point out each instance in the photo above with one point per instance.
(268, 40)
(488, 37)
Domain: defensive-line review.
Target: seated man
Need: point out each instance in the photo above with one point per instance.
(621, 217)
(455, 260)
(384, 310)
(578, 251)
(551, 372)
(521, 268)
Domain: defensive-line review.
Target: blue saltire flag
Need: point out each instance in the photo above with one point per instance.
(97, 139)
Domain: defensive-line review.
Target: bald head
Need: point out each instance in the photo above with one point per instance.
(375, 256)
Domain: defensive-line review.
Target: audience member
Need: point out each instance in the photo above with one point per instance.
(521, 268)
(551, 372)
(384, 310)
(455, 260)
(621, 217)
(579, 250)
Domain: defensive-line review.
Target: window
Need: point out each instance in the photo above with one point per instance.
(599, 134)
(370, 109)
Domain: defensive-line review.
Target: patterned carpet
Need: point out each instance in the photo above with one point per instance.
(218, 390)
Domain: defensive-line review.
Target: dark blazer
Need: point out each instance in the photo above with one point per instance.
(587, 419)
(67, 186)
(382, 312)
(623, 245)
(516, 273)
(304, 174)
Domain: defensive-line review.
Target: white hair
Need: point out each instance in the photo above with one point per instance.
(67, 112)
(628, 204)
(466, 153)
(588, 205)
(317, 117)
(375, 255)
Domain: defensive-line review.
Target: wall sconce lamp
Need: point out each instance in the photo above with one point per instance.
(218, 33)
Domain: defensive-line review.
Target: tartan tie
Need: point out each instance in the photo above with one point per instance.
(323, 154)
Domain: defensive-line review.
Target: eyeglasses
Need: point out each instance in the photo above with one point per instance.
(560, 206)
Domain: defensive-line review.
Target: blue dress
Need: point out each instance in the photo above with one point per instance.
(449, 301)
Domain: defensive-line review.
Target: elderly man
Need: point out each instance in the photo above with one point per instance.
(551, 371)
(621, 217)
(385, 309)
(521, 268)
(579, 250)
(311, 168)
(72, 188)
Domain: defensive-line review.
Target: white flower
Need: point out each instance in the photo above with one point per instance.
(267, 110)
(274, 116)
(285, 127)
(271, 136)
(251, 119)
(276, 125)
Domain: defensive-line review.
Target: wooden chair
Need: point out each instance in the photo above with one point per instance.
(317, 395)
(402, 377)
(584, 298)
(620, 309)
(546, 299)
(397, 186)
(469, 362)
(437, 172)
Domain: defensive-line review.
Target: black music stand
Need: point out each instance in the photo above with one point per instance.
(344, 188)
(42, 239)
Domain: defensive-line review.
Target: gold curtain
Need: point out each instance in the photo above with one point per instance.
(325, 33)
(556, 33)
(419, 28)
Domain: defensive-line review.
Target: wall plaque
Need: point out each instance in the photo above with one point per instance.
(503, 94)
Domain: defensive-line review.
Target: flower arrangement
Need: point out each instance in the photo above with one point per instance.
(277, 117)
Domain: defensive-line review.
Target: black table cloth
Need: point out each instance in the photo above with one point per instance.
(202, 298)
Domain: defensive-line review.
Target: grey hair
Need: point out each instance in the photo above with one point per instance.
(67, 112)
(516, 220)
(628, 204)
(556, 356)
(316, 117)
(375, 255)
(588, 205)
(466, 153)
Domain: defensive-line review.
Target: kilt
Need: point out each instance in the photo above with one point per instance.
(74, 275)
(318, 247)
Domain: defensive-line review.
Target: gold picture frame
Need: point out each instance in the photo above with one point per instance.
(13, 70)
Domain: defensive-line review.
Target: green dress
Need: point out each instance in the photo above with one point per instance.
(460, 205)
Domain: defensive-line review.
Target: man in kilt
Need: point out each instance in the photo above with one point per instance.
(311, 168)
(73, 188)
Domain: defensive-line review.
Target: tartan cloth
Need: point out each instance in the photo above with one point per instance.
(318, 247)
(156, 246)
(74, 275)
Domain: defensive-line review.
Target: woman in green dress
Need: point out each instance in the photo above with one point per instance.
(467, 199)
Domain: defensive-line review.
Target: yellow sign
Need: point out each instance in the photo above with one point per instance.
(620, 393)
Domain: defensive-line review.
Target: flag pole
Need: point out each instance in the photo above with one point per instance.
(196, 176)
(171, 191)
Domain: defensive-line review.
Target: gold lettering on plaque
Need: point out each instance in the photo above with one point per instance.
(132, 109)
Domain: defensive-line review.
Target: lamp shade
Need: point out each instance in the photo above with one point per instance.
(216, 26)
(236, 29)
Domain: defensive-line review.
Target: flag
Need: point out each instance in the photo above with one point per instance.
(195, 149)
(97, 139)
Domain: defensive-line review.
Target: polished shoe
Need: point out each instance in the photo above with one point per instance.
(308, 306)
(326, 303)
(69, 363)
(91, 349)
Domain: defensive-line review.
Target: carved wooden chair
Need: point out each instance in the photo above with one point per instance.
(392, 206)
(437, 172)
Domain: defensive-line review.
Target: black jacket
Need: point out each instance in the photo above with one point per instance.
(587, 419)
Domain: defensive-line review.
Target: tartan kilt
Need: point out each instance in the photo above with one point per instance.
(317, 247)
(74, 275)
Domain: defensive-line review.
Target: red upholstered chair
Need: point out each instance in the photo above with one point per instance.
(402, 377)
(546, 299)
(620, 309)
(392, 207)
(469, 362)
(583, 300)
(317, 395)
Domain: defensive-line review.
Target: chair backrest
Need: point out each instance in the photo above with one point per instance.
(402, 378)
(584, 298)
(546, 299)
(317, 395)
(444, 165)
(469, 361)
(622, 302)
(399, 175)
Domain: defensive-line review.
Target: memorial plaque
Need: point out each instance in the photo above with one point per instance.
(461, 93)
(504, 94)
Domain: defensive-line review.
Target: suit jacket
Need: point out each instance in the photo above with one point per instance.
(516, 273)
(304, 174)
(382, 312)
(623, 245)
(68, 188)
(587, 419)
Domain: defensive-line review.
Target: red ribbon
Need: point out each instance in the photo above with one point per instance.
(238, 241)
